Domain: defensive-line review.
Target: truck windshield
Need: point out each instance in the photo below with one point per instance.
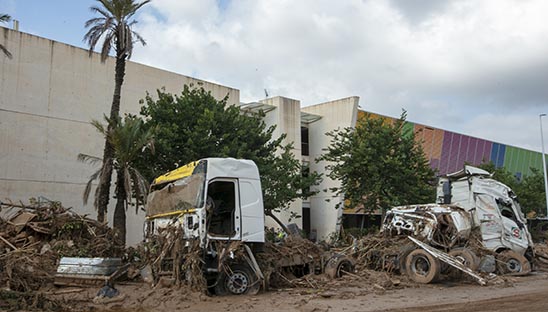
(182, 194)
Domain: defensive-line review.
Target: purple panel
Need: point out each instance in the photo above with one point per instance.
(479, 152)
(464, 151)
(472, 148)
(445, 150)
(452, 165)
(435, 163)
(487, 151)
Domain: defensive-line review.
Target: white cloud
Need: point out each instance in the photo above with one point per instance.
(461, 65)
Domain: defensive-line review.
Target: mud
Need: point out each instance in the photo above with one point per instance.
(526, 293)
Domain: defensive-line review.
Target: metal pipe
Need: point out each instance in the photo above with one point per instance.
(544, 163)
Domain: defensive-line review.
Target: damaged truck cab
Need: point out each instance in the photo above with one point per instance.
(205, 220)
(493, 207)
(213, 198)
(470, 206)
(208, 201)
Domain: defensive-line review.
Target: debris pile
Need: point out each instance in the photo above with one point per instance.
(33, 237)
(294, 250)
(169, 255)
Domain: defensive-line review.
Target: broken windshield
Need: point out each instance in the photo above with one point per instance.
(182, 194)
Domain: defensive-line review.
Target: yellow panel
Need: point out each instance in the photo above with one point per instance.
(177, 174)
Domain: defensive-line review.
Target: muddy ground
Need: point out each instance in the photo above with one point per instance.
(527, 293)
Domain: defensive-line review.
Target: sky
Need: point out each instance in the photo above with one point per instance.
(477, 67)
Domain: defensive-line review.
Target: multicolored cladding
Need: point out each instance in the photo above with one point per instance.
(448, 151)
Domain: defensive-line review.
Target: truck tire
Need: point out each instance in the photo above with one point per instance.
(510, 262)
(338, 265)
(238, 279)
(466, 257)
(402, 257)
(422, 267)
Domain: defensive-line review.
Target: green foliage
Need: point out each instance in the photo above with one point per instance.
(531, 193)
(114, 26)
(130, 139)
(194, 125)
(5, 18)
(378, 166)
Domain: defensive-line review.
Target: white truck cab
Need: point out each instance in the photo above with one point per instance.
(492, 205)
(213, 198)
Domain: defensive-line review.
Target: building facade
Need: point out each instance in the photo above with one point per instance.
(50, 91)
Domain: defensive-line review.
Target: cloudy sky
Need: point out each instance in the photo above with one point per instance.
(477, 67)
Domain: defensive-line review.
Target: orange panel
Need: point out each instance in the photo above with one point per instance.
(437, 143)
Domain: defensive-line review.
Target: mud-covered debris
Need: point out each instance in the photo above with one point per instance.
(34, 237)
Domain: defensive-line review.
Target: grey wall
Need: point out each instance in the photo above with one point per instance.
(49, 92)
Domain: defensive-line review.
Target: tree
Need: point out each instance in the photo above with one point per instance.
(531, 193)
(5, 18)
(129, 139)
(284, 179)
(194, 125)
(114, 26)
(378, 166)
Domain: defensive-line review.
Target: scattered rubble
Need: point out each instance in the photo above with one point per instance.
(33, 238)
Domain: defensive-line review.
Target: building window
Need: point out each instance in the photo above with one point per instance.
(304, 141)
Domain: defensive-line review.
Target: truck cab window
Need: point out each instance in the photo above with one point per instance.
(221, 202)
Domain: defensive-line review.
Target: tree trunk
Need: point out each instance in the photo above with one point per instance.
(119, 220)
(108, 153)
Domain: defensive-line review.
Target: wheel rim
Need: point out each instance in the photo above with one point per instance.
(513, 265)
(237, 283)
(421, 266)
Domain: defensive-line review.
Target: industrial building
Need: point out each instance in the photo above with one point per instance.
(50, 91)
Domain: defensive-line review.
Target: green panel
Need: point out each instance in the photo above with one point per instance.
(536, 162)
(521, 160)
(408, 129)
(523, 164)
(510, 159)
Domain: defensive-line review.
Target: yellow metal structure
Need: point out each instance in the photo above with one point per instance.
(176, 174)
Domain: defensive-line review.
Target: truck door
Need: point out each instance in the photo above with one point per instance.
(223, 209)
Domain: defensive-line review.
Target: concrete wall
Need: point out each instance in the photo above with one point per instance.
(287, 118)
(49, 92)
(324, 218)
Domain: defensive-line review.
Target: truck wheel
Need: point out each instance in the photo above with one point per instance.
(238, 279)
(510, 262)
(466, 257)
(422, 267)
(338, 265)
(402, 257)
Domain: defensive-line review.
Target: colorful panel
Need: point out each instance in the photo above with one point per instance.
(498, 154)
(454, 153)
(448, 151)
(511, 159)
(445, 151)
(483, 152)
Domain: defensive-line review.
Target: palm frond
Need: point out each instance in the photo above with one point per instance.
(87, 190)
(5, 51)
(113, 27)
(92, 160)
(5, 18)
(127, 185)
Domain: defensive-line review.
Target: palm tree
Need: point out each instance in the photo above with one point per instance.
(114, 28)
(128, 138)
(5, 18)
